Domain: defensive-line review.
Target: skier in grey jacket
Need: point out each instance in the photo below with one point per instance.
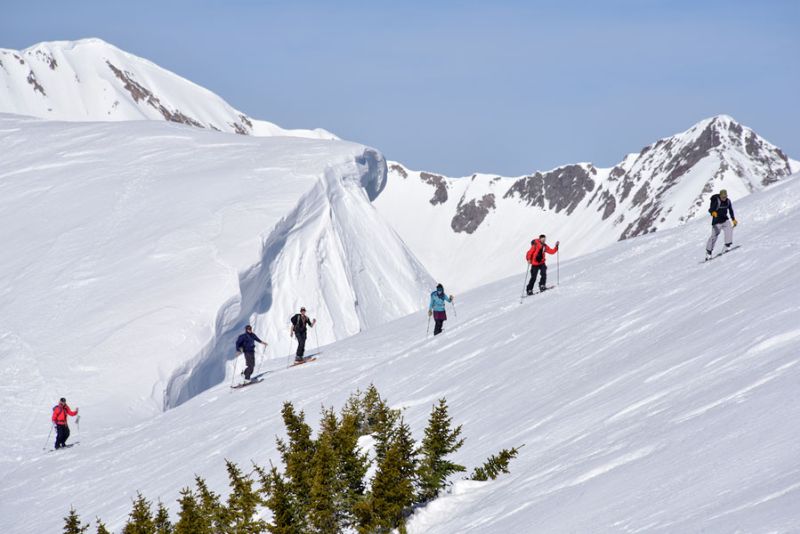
(722, 220)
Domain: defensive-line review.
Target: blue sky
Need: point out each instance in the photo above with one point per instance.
(458, 87)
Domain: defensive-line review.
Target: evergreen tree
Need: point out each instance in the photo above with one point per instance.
(161, 521)
(495, 464)
(354, 408)
(326, 490)
(191, 519)
(72, 523)
(243, 503)
(101, 527)
(353, 466)
(392, 492)
(140, 520)
(281, 502)
(440, 441)
(298, 456)
(211, 507)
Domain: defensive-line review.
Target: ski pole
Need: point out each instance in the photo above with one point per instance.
(455, 313)
(48, 438)
(524, 284)
(263, 353)
(235, 362)
(316, 337)
(558, 266)
(428, 330)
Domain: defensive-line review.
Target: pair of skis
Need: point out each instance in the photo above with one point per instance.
(257, 379)
(718, 254)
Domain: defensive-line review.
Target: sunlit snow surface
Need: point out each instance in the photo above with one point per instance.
(653, 393)
(133, 254)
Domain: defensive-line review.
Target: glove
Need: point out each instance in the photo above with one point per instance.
(714, 214)
(734, 222)
(430, 312)
(557, 243)
(451, 298)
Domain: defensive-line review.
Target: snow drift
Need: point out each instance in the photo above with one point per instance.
(653, 393)
(134, 254)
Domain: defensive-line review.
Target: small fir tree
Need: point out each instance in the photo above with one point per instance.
(140, 520)
(191, 516)
(353, 466)
(281, 502)
(211, 507)
(297, 455)
(72, 523)
(440, 441)
(162, 523)
(243, 503)
(495, 464)
(325, 503)
(392, 487)
(101, 527)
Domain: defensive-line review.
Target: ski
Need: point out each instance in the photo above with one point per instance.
(245, 384)
(718, 254)
(548, 288)
(67, 446)
(307, 359)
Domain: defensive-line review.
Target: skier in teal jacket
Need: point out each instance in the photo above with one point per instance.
(437, 310)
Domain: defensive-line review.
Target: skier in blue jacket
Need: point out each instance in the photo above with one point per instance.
(436, 308)
(247, 343)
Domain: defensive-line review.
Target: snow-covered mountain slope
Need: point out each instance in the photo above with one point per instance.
(473, 230)
(653, 393)
(134, 254)
(91, 80)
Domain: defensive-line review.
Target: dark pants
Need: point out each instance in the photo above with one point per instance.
(62, 433)
(439, 317)
(301, 344)
(250, 364)
(543, 280)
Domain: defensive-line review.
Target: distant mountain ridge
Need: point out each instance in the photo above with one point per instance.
(484, 222)
(92, 80)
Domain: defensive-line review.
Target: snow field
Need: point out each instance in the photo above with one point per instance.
(137, 252)
(653, 393)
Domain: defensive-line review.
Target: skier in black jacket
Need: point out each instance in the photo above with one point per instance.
(722, 220)
(247, 343)
(300, 323)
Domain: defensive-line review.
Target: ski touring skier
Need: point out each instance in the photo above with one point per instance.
(246, 343)
(300, 325)
(59, 418)
(436, 308)
(722, 220)
(537, 259)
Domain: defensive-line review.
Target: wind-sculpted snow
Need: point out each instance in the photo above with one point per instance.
(652, 392)
(666, 184)
(134, 254)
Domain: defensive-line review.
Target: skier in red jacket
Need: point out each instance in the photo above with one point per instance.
(536, 257)
(60, 413)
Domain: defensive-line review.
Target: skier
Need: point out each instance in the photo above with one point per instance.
(247, 343)
(300, 324)
(437, 309)
(536, 257)
(721, 206)
(60, 413)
